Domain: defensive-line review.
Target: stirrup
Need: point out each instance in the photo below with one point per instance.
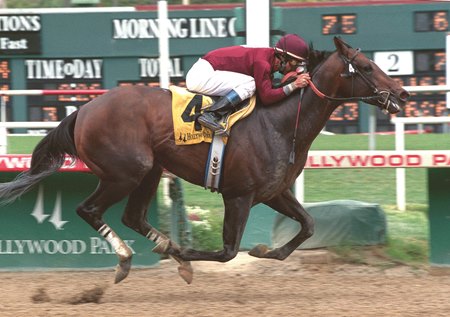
(208, 120)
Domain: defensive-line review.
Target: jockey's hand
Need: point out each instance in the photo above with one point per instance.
(299, 80)
(302, 80)
(289, 77)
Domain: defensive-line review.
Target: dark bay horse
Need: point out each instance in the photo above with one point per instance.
(126, 138)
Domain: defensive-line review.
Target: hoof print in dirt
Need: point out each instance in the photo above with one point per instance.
(41, 296)
(89, 296)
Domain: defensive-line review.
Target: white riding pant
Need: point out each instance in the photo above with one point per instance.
(202, 78)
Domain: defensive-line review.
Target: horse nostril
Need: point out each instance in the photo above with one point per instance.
(404, 95)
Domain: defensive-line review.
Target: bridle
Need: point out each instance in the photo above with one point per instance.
(381, 97)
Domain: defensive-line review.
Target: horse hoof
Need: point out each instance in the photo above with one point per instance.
(161, 248)
(122, 270)
(186, 272)
(259, 251)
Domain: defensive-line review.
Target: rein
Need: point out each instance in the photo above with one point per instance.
(380, 96)
(292, 155)
(323, 96)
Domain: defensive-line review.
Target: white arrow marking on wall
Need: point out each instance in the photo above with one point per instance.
(56, 218)
(38, 211)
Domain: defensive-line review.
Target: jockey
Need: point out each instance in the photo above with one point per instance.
(236, 72)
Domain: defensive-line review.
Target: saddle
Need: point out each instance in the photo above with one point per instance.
(187, 106)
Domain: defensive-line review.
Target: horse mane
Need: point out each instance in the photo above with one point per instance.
(315, 58)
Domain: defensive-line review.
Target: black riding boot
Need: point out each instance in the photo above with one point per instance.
(212, 115)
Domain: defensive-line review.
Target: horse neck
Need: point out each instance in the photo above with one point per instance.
(315, 112)
(313, 116)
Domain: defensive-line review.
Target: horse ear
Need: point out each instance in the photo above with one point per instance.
(341, 46)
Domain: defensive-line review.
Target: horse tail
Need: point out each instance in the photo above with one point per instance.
(47, 158)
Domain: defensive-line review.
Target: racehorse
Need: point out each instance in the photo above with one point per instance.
(126, 138)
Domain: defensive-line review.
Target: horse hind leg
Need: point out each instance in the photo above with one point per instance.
(287, 204)
(135, 217)
(92, 210)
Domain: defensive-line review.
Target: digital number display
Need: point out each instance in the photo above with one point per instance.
(77, 98)
(345, 119)
(5, 71)
(139, 83)
(429, 104)
(5, 83)
(431, 21)
(151, 83)
(346, 112)
(425, 107)
(429, 69)
(429, 61)
(339, 24)
(57, 107)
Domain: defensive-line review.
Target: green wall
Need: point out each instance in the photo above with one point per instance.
(439, 208)
(62, 239)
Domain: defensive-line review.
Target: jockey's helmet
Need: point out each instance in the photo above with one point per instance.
(293, 46)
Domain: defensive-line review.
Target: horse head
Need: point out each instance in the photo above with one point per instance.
(361, 74)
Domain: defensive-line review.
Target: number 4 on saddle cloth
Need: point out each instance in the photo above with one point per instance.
(186, 107)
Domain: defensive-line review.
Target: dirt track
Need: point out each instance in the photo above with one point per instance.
(243, 287)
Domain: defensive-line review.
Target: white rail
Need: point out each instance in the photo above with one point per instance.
(430, 88)
(400, 147)
(4, 126)
(29, 124)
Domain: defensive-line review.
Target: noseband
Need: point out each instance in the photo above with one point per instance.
(380, 96)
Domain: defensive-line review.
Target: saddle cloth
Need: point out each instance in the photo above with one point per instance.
(187, 106)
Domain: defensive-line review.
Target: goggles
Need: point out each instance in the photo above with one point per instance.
(299, 65)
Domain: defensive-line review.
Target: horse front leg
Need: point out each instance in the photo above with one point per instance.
(235, 218)
(287, 204)
(163, 242)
